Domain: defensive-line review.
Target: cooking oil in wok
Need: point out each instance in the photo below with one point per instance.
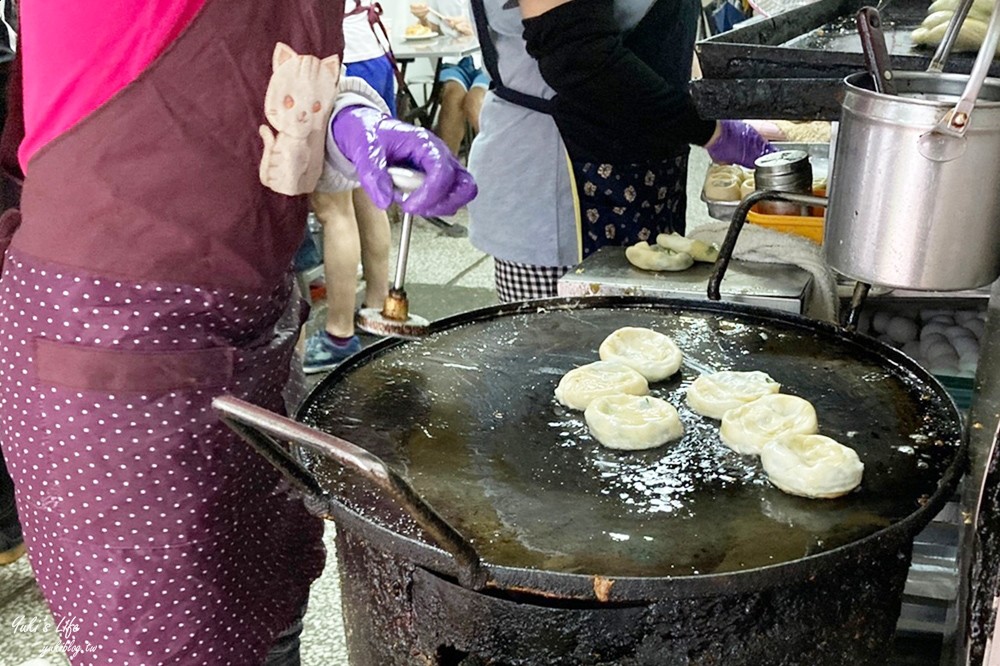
(468, 416)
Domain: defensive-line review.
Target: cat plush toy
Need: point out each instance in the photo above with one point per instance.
(298, 102)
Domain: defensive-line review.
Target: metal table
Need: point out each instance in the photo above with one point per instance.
(608, 272)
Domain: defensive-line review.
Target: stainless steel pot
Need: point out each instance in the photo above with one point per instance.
(905, 216)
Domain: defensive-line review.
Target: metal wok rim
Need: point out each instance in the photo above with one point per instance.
(561, 585)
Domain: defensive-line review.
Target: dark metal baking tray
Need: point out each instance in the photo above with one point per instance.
(792, 65)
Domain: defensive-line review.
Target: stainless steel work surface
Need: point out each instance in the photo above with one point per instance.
(608, 273)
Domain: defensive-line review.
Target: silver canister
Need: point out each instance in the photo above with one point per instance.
(785, 171)
(899, 218)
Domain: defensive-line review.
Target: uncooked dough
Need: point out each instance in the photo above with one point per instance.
(812, 466)
(655, 258)
(632, 422)
(715, 394)
(580, 386)
(971, 35)
(698, 249)
(650, 353)
(746, 429)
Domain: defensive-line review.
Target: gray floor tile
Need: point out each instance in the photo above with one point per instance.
(323, 641)
(27, 630)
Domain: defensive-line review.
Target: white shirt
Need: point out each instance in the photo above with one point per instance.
(360, 40)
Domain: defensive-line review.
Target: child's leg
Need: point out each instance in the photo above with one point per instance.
(341, 254)
(373, 225)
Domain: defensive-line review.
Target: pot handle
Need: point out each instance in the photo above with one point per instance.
(259, 427)
(736, 226)
(956, 121)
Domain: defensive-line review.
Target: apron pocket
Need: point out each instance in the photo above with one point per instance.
(114, 370)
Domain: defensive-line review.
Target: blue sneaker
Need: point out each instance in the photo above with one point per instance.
(322, 354)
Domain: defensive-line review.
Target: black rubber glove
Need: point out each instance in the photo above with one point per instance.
(610, 106)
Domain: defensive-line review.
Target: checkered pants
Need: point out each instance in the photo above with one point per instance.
(522, 282)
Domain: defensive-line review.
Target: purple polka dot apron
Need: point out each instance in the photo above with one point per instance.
(149, 274)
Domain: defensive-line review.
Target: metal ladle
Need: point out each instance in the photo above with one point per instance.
(395, 319)
(946, 141)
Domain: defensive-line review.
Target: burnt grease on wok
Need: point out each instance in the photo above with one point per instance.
(468, 416)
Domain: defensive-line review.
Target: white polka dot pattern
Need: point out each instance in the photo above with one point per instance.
(164, 536)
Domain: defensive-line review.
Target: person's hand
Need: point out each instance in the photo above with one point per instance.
(373, 142)
(460, 24)
(420, 10)
(735, 142)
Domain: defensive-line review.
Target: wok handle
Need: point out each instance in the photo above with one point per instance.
(259, 427)
(736, 226)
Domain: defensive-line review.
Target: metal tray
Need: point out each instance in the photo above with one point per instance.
(819, 156)
(791, 66)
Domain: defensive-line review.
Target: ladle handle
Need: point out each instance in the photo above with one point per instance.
(736, 226)
(950, 36)
(259, 428)
(404, 180)
(874, 49)
(956, 121)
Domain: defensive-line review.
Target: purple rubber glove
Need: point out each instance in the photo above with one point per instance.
(373, 142)
(738, 143)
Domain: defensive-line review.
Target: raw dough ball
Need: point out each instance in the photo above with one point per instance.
(976, 326)
(650, 353)
(713, 395)
(580, 386)
(932, 328)
(748, 428)
(930, 341)
(632, 423)
(880, 321)
(812, 466)
(902, 329)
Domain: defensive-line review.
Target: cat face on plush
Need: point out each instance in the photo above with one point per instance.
(301, 91)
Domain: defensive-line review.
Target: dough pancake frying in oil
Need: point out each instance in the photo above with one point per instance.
(633, 422)
(715, 394)
(747, 428)
(580, 386)
(812, 466)
(650, 353)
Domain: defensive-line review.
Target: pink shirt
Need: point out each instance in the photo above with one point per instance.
(79, 53)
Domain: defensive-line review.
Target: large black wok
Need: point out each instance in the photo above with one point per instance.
(542, 547)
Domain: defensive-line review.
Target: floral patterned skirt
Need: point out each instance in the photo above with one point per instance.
(625, 204)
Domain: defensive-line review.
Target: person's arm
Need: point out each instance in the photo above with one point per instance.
(610, 104)
(533, 8)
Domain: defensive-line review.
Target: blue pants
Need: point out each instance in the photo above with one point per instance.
(378, 73)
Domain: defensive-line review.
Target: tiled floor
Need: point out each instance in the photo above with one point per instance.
(445, 275)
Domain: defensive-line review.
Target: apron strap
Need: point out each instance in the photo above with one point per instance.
(490, 60)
